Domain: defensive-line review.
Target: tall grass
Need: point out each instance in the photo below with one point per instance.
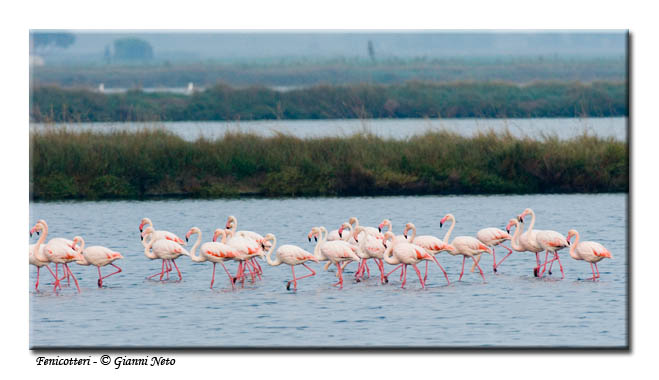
(411, 99)
(157, 163)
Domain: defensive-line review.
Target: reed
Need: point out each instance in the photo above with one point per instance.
(147, 163)
(407, 100)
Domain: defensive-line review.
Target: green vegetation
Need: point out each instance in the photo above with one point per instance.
(409, 100)
(141, 164)
(306, 72)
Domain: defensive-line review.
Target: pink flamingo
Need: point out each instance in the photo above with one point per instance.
(372, 246)
(405, 254)
(164, 249)
(56, 240)
(551, 241)
(334, 251)
(466, 246)
(59, 253)
(37, 256)
(247, 249)
(98, 256)
(291, 255)
(492, 237)
(214, 252)
(232, 224)
(528, 239)
(589, 251)
(431, 244)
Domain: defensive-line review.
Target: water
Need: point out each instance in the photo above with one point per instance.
(511, 309)
(564, 128)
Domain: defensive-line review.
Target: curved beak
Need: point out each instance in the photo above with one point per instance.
(508, 229)
(315, 238)
(141, 237)
(441, 224)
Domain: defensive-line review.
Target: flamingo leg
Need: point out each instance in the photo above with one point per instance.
(113, 273)
(418, 273)
(231, 279)
(177, 270)
(386, 276)
(294, 280)
(479, 268)
(440, 267)
(36, 287)
(368, 271)
(425, 275)
(404, 274)
(68, 270)
(593, 270)
(494, 257)
(596, 269)
(100, 278)
(339, 269)
(213, 279)
(254, 264)
(510, 252)
(544, 266)
(249, 269)
(536, 270)
(561, 265)
(159, 273)
(464, 258)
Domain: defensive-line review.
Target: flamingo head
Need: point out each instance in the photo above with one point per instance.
(193, 230)
(512, 222)
(266, 242)
(144, 222)
(521, 216)
(231, 221)
(352, 220)
(313, 233)
(76, 240)
(343, 227)
(443, 220)
(571, 233)
(37, 228)
(146, 232)
(217, 233)
(384, 223)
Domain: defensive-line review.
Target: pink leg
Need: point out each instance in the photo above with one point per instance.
(494, 266)
(440, 267)
(596, 269)
(593, 270)
(378, 262)
(561, 265)
(510, 251)
(545, 264)
(177, 270)
(404, 274)
(386, 276)
(418, 273)
(340, 283)
(68, 270)
(213, 279)
(159, 273)
(100, 278)
(425, 275)
(463, 267)
(368, 271)
(36, 287)
(479, 267)
(231, 279)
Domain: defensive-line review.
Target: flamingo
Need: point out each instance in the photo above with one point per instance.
(232, 224)
(165, 249)
(590, 251)
(492, 237)
(397, 238)
(214, 252)
(431, 244)
(406, 254)
(56, 240)
(37, 257)
(466, 246)
(334, 251)
(352, 239)
(291, 255)
(247, 249)
(59, 253)
(551, 241)
(528, 239)
(372, 246)
(99, 257)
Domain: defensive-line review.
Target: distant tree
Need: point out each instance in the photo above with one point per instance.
(41, 41)
(132, 49)
(371, 50)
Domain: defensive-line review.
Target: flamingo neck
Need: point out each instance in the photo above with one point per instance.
(532, 221)
(193, 256)
(514, 242)
(448, 233)
(321, 240)
(388, 255)
(413, 228)
(349, 235)
(147, 250)
(268, 254)
(37, 247)
(573, 247)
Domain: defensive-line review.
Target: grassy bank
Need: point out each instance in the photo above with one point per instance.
(156, 163)
(337, 71)
(409, 100)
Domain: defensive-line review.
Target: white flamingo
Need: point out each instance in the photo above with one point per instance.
(98, 256)
(467, 246)
(431, 244)
(493, 237)
(590, 251)
(406, 254)
(291, 255)
(215, 252)
(336, 252)
(36, 251)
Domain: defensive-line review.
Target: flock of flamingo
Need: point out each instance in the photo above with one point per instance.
(350, 243)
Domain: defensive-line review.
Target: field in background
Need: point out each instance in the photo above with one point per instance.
(89, 165)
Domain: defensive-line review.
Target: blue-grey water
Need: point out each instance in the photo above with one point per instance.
(564, 128)
(511, 309)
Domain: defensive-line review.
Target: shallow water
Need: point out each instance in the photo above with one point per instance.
(564, 128)
(511, 309)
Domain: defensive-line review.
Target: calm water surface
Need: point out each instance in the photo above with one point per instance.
(511, 309)
(396, 128)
